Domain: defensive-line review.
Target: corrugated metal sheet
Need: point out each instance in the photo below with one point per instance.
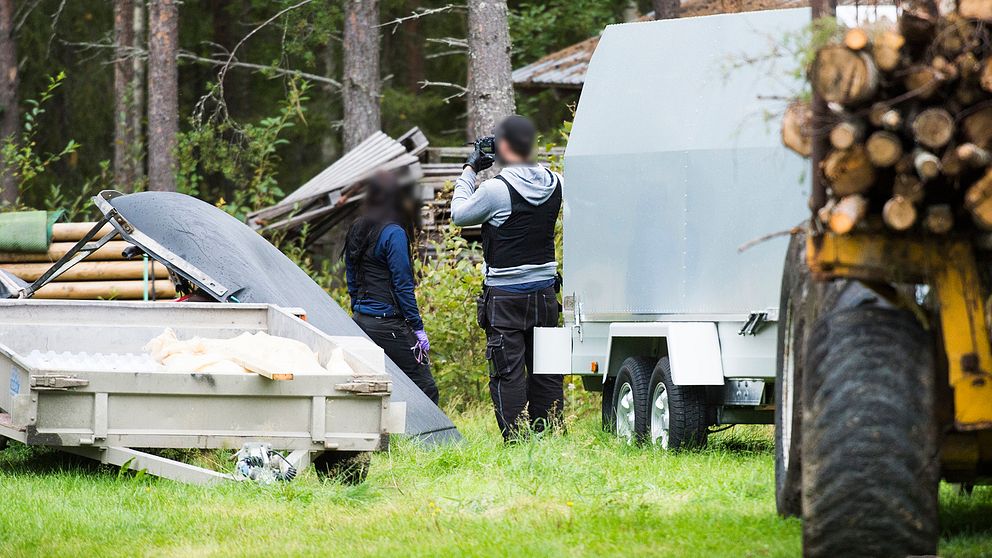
(337, 186)
(565, 68)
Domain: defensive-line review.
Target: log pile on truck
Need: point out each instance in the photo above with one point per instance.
(910, 122)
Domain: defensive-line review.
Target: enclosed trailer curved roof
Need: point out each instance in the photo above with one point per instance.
(674, 161)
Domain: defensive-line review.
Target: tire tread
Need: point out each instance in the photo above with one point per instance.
(869, 442)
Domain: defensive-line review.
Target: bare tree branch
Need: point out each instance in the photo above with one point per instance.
(462, 90)
(183, 55)
(450, 41)
(23, 11)
(218, 92)
(55, 21)
(446, 53)
(130, 53)
(417, 14)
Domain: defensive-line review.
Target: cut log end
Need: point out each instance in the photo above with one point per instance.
(978, 200)
(884, 148)
(856, 39)
(975, 9)
(973, 156)
(939, 219)
(796, 128)
(841, 75)
(933, 128)
(849, 171)
(923, 82)
(846, 134)
(847, 213)
(899, 213)
(887, 50)
(977, 127)
(927, 165)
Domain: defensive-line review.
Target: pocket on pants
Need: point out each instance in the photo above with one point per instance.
(496, 355)
(510, 311)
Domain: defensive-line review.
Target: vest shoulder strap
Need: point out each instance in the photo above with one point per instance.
(505, 181)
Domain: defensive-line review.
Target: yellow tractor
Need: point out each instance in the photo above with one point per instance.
(884, 387)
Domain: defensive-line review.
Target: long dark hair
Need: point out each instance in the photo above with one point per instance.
(387, 201)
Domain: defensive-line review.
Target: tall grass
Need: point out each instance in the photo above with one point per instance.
(578, 494)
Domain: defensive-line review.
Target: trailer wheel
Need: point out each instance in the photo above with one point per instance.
(788, 378)
(677, 413)
(630, 399)
(869, 447)
(349, 467)
(609, 416)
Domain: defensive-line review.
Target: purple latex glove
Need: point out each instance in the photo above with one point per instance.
(422, 349)
(422, 341)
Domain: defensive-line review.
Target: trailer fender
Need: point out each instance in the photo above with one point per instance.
(693, 349)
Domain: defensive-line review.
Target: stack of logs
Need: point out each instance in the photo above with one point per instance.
(104, 275)
(910, 122)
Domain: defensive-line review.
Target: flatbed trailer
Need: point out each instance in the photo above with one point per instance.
(74, 376)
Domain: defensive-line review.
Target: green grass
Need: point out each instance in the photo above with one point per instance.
(582, 494)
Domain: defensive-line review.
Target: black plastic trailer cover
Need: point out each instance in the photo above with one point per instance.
(256, 271)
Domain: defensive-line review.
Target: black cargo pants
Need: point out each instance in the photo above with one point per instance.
(509, 320)
(397, 340)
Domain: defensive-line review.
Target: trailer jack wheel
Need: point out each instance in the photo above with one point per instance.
(869, 444)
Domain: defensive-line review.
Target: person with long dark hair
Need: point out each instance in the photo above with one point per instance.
(379, 267)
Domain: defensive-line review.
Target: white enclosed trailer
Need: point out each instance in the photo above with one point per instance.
(673, 163)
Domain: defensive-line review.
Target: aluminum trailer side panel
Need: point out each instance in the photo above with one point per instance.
(98, 393)
(672, 165)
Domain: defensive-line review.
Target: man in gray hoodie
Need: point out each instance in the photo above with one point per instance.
(517, 209)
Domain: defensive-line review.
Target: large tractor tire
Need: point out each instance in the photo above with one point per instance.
(869, 437)
(676, 414)
(794, 312)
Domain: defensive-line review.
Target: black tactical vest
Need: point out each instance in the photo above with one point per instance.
(528, 234)
(373, 278)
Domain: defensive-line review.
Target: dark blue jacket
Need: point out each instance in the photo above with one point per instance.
(392, 248)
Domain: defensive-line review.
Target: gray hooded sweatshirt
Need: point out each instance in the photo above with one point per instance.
(491, 203)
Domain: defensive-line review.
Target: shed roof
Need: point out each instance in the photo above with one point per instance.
(566, 68)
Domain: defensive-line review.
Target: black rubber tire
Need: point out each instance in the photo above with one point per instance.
(607, 412)
(687, 424)
(635, 371)
(3, 443)
(349, 467)
(869, 447)
(793, 311)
